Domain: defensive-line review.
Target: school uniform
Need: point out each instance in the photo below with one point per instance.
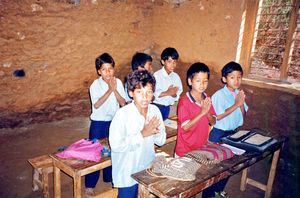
(100, 121)
(163, 82)
(130, 151)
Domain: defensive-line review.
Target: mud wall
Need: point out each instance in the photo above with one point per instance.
(56, 43)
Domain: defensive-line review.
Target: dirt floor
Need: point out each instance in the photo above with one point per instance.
(20, 144)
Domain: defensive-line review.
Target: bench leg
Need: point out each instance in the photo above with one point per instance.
(35, 179)
(77, 186)
(57, 187)
(244, 180)
(45, 184)
(272, 174)
(143, 192)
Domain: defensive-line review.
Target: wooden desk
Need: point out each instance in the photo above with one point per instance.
(77, 168)
(208, 175)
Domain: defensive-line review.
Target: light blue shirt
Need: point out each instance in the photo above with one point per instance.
(163, 82)
(128, 98)
(109, 108)
(222, 100)
(130, 151)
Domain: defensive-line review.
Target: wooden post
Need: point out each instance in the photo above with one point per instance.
(77, 185)
(143, 192)
(288, 47)
(35, 179)
(57, 187)
(244, 180)
(272, 174)
(248, 34)
(45, 180)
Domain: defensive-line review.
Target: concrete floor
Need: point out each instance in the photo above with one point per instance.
(18, 145)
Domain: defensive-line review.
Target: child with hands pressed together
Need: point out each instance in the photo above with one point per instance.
(107, 95)
(229, 103)
(133, 132)
(230, 106)
(168, 83)
(195, 111)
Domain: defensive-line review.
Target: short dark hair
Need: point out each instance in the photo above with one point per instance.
(194, 69)
(140, 59)
(169, 52)
(104, 58)
(139, 79)
(230, 67)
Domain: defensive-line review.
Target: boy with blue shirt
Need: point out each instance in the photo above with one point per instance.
(140, 61)
(229, 103)
(168, 83)
(231, 108)
(107, 95)
(133, 132)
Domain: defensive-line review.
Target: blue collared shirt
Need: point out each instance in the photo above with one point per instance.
(108, 109)
(163, 82)
(131, 152)
(222, 100)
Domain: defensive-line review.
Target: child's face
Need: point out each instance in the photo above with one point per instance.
(147, 66)
(106, 71)
(169, 64)
(142, 97)
(199, 82)
(233, 80)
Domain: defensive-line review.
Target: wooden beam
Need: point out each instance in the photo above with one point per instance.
(248, 34)
(290, 37)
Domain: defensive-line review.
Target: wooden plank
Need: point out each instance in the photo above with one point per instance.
(272, 174)
(244, 180)
(112, 193)
(256, 184)
(143, 192)
(205, 176)
(289, 41)
(77, 185)
(248, 34)
(45, 179)
(57, 185)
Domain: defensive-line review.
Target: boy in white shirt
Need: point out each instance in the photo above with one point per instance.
(133, 132)
(107, 95)
(168, 83)
(140, 61)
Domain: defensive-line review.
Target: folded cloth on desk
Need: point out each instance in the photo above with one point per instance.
(211, 153)
(84, 150)
(182, 168)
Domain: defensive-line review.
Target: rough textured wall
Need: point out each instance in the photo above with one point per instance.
(203, 30)
(56, 43)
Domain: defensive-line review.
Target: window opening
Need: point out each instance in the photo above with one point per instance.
(271, 39)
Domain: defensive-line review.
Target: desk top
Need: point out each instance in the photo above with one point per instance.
(205, 176)
(78, 165)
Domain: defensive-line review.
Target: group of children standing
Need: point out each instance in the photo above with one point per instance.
(146, 99)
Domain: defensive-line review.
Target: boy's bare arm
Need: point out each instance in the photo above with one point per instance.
(205, 104)
(151, 127)
(239, 102)
(211, 119)
(102, 99)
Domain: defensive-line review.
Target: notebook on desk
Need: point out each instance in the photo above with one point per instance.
(249, 141)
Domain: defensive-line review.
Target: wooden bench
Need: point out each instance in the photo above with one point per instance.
(208, 175)
(42, 166)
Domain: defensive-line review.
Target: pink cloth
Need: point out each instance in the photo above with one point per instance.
(83, 150)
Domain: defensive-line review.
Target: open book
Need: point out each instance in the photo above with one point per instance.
(170, 123)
